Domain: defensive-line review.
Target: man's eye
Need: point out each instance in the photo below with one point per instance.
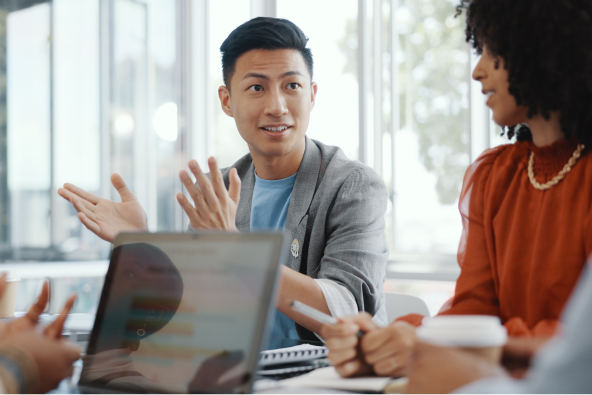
(293, 85)
(256, 88)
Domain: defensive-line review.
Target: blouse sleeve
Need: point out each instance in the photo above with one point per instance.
(475, 290)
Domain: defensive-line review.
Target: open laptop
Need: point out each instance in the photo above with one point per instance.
(182, 313)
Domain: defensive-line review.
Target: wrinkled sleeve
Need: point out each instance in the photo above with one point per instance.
(356, 252)
(18, 371)
(475, 291)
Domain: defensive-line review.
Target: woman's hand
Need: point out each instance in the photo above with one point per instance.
(440, 370)
(106, 218)
(213, 206)
(389, 349)
(518, 353)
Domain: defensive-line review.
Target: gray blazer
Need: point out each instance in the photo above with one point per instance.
(336, 214)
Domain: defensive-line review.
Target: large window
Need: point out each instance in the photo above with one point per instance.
(92, 87)
(334, 119)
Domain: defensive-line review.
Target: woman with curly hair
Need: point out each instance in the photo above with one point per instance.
(526, 207)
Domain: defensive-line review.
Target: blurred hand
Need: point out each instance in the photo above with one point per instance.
(518, 353)
(52, 354)
(213, 206)
(439, 370)
(106, 218)
(53, 357)
(31, 319)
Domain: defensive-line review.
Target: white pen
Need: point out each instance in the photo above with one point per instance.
(313, 313)
(316, 315)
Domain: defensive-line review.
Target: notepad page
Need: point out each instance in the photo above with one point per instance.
(302, 352)
(329, 378)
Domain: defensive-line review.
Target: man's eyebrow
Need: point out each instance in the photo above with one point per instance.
(264, 77)
(255, 75)
(289, 73)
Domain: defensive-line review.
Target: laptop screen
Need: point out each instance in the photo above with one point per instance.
(182, 313)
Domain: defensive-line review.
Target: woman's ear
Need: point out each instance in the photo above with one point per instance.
(224, 95)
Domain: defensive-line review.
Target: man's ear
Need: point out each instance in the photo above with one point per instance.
(313, 94)
(224, 95)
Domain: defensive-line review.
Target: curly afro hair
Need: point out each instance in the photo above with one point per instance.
(546, 46)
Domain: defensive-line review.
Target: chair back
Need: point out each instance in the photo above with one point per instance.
(398, 305)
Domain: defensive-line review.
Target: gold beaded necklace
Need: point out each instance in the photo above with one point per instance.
(570, 163)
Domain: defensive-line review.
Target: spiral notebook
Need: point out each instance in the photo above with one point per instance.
(303, 352)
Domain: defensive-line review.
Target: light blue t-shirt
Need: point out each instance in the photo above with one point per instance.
(269, 210)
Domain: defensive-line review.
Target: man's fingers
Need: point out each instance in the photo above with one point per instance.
(355, 367)
(54, 330)
(364, 321)
(217, 180)
(342, 356)
(339, 343)
(39, 306)
(90, 225)
(205, 186)
(82, 208)
(81, 193)
(346, 328)
(197, 196)
(235, 186)
(193, 215)
(125, 193)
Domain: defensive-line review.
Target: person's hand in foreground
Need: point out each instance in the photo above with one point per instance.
(104, 217)
(440, 370)
(213, 206)
(518, 353)
(384, 351)
(52, 354)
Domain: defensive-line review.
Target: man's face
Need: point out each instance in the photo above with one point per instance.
(270, 99)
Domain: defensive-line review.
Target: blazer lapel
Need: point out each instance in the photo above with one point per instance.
(304, 186)
(243, 211)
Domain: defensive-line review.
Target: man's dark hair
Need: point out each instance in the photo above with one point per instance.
(546, 46)
(262, 33)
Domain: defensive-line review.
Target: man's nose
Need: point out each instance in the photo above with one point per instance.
(276, 103)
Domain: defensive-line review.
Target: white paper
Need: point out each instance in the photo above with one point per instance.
(329, 378)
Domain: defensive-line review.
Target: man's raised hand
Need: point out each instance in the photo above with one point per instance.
(106, 218)
(213, 206)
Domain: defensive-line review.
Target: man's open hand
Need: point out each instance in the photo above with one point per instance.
(213, 206)
(106, 218)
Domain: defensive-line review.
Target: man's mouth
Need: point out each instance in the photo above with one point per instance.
(276, 131)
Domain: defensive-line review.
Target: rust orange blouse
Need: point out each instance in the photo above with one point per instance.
(522, 249)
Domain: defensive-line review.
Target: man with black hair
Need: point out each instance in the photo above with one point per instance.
(331, 208)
